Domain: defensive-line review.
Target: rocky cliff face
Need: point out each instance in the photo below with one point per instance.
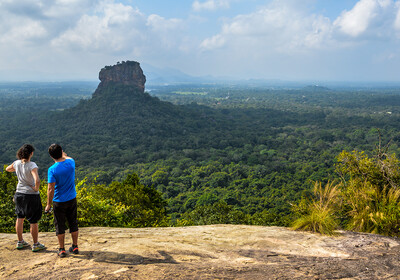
(125, 73)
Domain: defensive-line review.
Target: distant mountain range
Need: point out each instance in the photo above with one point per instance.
(167, 76)
(162, 76)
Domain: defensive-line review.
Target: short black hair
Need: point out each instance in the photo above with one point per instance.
(55, 151)
(25, 151)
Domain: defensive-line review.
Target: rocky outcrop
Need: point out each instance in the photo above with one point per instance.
(124, 73)
(205, 252)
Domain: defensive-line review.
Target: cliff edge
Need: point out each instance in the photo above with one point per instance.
(205, 252)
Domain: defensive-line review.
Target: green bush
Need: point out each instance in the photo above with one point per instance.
(119, 204)
(123, 204)
(319, 214)
(367, 200)
(371, 191)
(8, 183)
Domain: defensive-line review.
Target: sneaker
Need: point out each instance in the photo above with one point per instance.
(62, 253)
(22, 244)
(74, 249)
(37, 247)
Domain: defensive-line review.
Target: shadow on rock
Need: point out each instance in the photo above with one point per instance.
(125, 259)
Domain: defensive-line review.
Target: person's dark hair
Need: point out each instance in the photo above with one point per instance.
(25, 151)
(55, 151)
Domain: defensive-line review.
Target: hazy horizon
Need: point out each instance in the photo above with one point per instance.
(268, 84)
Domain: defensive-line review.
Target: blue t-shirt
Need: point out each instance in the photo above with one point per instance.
(63, 174)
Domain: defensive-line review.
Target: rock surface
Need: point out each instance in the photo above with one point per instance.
(205, 252)
(125, 73)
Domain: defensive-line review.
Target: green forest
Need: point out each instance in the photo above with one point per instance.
(193, 154)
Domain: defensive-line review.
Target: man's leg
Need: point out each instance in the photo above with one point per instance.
(19, 228)
(73, 225)
(74, 236)
(35, 232)
(61, 240)
(59, 222)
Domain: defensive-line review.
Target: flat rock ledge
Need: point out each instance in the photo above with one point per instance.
(205, 252)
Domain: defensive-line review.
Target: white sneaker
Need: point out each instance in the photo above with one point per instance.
(22, 244)
(37, 247)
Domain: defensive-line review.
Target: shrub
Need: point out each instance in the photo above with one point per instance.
(318, 214)
(371, 191)
(367, 200)
(124, 204)
(8, 183)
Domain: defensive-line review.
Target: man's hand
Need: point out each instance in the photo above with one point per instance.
(50, 195)
(47, 209)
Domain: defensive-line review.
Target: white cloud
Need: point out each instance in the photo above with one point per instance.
(29, 20)
(26, 31)
(115, 28)
(112, 29)
(210, 5)
(281, 38)
(356, 21)
(397, 19)
(287, 27)
(90, 32)
(165, 30)
(50, 10)
(281, 28)
(214, 42)
(158, 23)
(284, 37)
(320, 35)
(372, 17)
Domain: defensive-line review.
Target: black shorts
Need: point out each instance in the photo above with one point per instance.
(65, 211)
(28, 206)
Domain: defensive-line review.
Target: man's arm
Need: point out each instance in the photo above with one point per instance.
(50, 195)
(37, 180)
(10, 168)
(66, 156)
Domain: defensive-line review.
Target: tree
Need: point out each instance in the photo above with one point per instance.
(127, 203)
(217, 213)
(8, 183)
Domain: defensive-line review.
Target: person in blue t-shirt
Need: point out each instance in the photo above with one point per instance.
(62, 193)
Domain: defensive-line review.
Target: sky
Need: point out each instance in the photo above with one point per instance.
(293, 40)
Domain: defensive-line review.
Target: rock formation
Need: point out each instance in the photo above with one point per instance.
(205, 252)
(126, 73)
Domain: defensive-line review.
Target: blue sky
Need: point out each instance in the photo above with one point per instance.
(313, 40)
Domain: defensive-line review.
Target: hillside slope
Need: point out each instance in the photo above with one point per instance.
(122, 124)
(206, 252)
